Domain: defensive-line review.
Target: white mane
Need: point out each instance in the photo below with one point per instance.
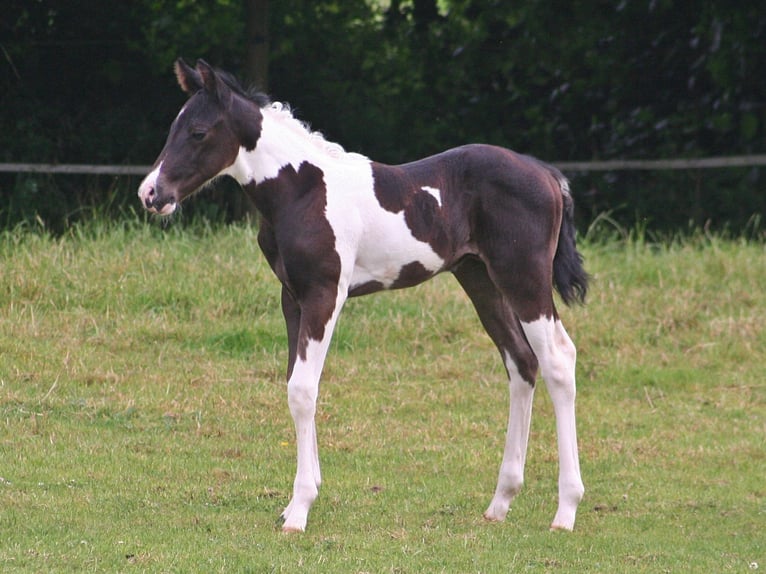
(282, 112)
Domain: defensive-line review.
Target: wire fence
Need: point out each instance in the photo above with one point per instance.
(571, 166)
(72, 168)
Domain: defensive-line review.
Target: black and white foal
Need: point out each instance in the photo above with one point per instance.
(335, 225)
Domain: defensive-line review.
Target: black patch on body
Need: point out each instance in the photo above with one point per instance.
(399, 189)
(366, 288)
(411, 274)
(299, 244)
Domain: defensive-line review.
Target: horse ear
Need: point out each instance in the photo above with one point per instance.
(213, 83)
(187, 77)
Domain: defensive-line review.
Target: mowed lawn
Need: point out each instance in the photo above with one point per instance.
(144, 425)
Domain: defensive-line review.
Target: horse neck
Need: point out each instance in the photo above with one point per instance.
(282, 142)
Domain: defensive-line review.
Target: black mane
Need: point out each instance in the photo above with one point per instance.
(251, 93)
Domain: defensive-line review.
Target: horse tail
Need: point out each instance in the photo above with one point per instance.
(569, 276)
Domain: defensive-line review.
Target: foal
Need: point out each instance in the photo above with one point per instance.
(335, 225)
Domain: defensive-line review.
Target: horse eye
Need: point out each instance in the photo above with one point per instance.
(198, 135)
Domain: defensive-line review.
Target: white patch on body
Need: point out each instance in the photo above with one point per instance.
(284, 141)
(437, 194)
(267, 159)
(371, 241)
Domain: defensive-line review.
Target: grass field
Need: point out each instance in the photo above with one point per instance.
(144, 425)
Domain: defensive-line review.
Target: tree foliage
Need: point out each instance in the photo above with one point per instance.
(91, 82)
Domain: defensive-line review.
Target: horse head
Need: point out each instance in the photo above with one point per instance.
(204, 139)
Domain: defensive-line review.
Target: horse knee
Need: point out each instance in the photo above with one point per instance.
(301, 398)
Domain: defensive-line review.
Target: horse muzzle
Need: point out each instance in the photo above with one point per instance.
(151, 198)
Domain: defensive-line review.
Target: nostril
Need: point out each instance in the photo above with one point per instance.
(150, 195)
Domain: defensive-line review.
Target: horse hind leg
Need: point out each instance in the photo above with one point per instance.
(504, 329)
(557, 356)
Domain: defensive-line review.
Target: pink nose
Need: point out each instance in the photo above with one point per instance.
(149, 196)
(154, 198)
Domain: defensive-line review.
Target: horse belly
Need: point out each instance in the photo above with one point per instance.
(389, 257)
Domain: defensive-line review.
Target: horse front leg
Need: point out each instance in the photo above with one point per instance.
(302, 392)
(316, 321)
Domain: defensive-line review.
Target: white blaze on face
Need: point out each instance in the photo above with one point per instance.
(147, 185)
(435, 192)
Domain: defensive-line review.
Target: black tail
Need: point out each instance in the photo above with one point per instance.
(569, 276)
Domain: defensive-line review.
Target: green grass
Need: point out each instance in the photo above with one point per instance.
(144, 425)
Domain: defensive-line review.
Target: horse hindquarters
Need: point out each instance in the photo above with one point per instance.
(517, 236)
